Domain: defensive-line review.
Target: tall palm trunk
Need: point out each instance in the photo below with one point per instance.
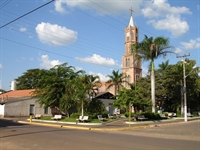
(153, 87)
(82, 109)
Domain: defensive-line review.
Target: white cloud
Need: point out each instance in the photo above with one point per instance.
(145, 71)
(160, 8)
(178, 50)
(47, 63)
(198, 7)
(1, 66)
(166, 17)
(102, 77)
(22, 29)
(171, 23)
(102, 7)
(192, 44)
(54, 34)
(78, 68)
(97, 59)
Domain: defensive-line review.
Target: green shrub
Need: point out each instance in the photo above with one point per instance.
(104, 114)
(75, 115)
(126, 114)
(150, 115)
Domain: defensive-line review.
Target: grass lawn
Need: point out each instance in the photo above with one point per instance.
(66, 119)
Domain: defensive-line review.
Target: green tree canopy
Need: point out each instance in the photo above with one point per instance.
(55, 89)
(30, 79)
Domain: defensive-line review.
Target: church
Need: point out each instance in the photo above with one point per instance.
(131, 68)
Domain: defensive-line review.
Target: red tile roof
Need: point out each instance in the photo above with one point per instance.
(17, 93)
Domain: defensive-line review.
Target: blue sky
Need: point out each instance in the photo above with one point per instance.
(89, 34)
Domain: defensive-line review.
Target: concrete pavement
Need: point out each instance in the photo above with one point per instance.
(121, 124)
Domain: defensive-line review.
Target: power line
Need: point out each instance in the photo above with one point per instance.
(86, 41)
(5, 3)
(27, 13)
(33, 47)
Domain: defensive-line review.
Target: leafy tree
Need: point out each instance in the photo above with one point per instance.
(2, 91)
(116, 80)
(136, 97)
(163, 66)
(95, 106)
(54, 87)
(148, 50)
(30, 79)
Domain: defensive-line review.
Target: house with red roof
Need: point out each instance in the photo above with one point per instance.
(17, 103)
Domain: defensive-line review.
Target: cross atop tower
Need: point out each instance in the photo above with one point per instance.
(131, 11)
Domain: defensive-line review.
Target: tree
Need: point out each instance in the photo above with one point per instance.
(116, 80)
(92, 84)
(2, 91)
(30, 79)
(136, 97)
(95, 106)
(163, 66)
(86, 87)
(55, 87)
(150, 49)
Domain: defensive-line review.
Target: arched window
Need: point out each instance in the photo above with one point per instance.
(128, 63)
(127, 80)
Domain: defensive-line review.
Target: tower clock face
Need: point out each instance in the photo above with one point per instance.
(128, 34)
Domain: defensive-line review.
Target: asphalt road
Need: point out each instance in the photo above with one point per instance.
(182, 136)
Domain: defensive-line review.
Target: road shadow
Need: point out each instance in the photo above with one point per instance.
(7, 123)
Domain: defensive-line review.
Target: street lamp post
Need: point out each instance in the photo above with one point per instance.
(184, 87)
(184, 91)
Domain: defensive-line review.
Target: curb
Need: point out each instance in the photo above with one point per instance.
(85, 128)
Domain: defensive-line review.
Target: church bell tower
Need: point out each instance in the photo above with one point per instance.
(130, 67)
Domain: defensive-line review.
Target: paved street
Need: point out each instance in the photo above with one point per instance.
(183, 136)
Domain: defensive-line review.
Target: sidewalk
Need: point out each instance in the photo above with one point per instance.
(121, 124)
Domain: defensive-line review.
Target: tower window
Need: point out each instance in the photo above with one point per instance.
(127, 80)
(128, 63)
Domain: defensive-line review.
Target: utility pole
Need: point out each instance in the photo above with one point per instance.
(184, 87)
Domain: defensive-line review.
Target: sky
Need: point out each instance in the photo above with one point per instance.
(89, 34)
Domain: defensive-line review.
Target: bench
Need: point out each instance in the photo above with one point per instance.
(37, 116)
(141, 117)
(57, 117)
(111, 116)
(83, 118)
(189, 115)
(100, 118)
(171, 114)
(163, 116)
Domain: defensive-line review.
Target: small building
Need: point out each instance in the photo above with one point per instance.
(108, 99)
(18, 103)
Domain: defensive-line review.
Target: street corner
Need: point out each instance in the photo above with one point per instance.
(55, 125)
(119, 128)
(39, 124)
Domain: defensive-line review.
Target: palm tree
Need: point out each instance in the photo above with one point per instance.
(116, 80)
(92, 85)
(86, 87)
(150, 49)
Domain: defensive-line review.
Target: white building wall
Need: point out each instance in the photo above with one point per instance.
(108, 105)
(2, 110)
(22, 108)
